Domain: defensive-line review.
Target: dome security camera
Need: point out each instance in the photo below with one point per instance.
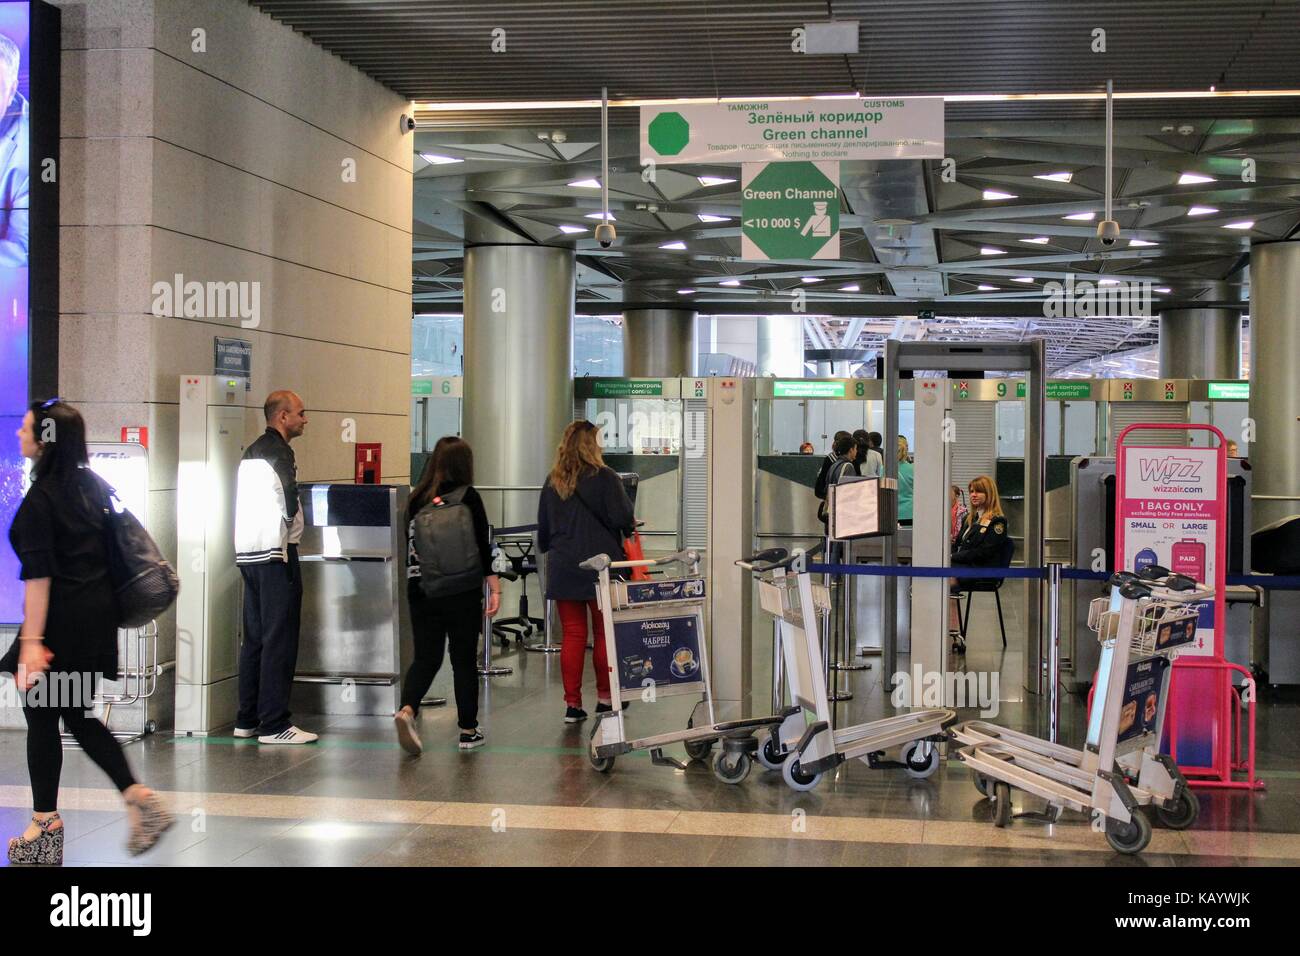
(1108, 232)
(605, 234)
(406, 124)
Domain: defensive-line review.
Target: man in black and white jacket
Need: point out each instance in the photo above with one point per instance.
(268, 527)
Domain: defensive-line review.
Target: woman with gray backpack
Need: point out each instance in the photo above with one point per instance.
(448, 558)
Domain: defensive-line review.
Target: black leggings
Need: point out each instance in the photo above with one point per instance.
(436, 623)
(45, 749)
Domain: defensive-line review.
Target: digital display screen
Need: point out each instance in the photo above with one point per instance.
(15, 95)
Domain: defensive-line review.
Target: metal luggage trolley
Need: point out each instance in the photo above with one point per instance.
(1141, 627)
(654, 635)
(138, 672)
(804, 749)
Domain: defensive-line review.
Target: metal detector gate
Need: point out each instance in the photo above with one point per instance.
(932, 401)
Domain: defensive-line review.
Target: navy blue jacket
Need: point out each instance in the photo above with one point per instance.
(591, 521)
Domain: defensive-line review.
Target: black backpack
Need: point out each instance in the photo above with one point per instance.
(144, 584)
(446, 547)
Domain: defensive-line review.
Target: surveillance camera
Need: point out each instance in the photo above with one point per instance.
(1108, 232)
(406, 124)
(605, 234)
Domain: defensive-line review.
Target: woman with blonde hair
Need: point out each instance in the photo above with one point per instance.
(904, 484)
(583, 511)
(981, 542)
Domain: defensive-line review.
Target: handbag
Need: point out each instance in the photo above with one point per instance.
(631, 544)
(144, 584)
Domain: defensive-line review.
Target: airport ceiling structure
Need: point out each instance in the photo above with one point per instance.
(508, 145)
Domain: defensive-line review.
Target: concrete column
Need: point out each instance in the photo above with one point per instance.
(780, 346)
(825, 369)
(518, 388)
(1274, 382)
(659, 343)
(1200, 343)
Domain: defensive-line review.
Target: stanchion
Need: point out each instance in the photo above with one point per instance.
(486, 668)
(545, 647)
(1053, 652)
(434, 702)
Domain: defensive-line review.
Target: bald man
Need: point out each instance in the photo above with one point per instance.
(268, 527)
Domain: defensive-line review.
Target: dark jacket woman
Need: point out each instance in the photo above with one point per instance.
(591, 521)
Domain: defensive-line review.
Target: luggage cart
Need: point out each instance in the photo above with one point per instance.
(804, 749)
(654, 636)
(1142, 625)
(138, 673)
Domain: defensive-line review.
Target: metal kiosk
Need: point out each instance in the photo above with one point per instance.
(1146, 620)
(654, 638)
(804, 749)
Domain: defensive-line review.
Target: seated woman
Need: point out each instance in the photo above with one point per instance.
(979, 544)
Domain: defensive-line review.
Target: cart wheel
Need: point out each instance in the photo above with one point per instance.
(698, 749)
(151, 727)
(769, 755)
(1001, 804)
(981, 783)
(732, 768)
(1183, 815)
(1131, 837)
(921, 758)
(796, 778)
(601, 764)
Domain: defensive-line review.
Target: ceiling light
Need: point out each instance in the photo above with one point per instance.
(714, 180)
(1139, 242)
(998, 194)
(1107, 282)
(1023, 279)
(1201, 210)
(988, 288)
(990, 251)
(1055, 177)
(585, 183)
(1081, 216)
(609, 216)
(673, 245)
(1188, 178)
(1164, 288)
(686, 292)
(571, 230)
(705, 217)
(730, 282)
(1244, 224)
(433, 159)
(850, 288)
(810, 279)
(1038, 241)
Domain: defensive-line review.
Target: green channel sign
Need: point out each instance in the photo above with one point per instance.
(622, 388)
(1229, 391)
(790, 211)
(807, 389)
(1059, 391)
(421, 386)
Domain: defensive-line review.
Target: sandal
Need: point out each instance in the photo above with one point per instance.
(150, 824)
(46, 849)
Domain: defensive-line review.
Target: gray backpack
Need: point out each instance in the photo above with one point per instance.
(445, 544)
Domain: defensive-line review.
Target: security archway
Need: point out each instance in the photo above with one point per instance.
(932, 405)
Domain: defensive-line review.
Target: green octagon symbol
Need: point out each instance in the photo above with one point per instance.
(668, 133)
(790, 210)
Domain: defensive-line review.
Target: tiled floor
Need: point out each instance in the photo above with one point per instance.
(530, 797)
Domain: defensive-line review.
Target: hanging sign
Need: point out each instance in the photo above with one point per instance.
(790, 211)
(791, 130)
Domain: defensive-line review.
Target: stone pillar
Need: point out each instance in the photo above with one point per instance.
(1274, 383)
(1200, 343)
(659, 343)
(780, 346)
(518, 389)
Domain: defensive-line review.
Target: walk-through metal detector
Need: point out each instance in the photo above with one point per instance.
(932, 400)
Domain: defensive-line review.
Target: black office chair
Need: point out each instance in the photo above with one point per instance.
(523, 562)
(972, 585)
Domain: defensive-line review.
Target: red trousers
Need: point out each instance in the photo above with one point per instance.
(573, 650)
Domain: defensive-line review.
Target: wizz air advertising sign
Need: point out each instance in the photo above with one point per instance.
(1171, 515)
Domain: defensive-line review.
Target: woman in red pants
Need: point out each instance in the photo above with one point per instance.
(583, 511)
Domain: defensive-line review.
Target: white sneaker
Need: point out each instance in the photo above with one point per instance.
(243, 732)
(292, 735)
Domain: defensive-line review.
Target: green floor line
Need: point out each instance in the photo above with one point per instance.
(382, 745)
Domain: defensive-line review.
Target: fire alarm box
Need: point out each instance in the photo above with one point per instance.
(369, 462)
